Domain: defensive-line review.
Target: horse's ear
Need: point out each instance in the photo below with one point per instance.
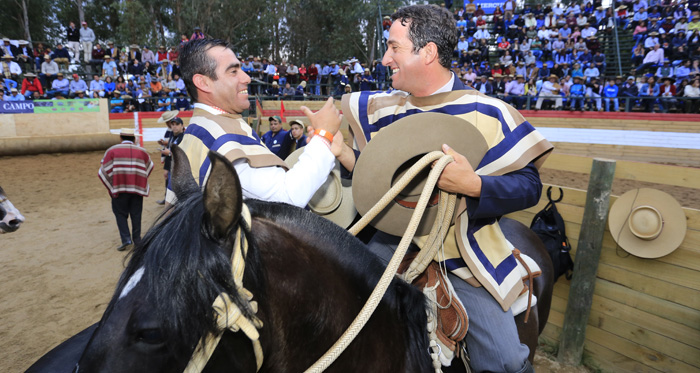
(223, 197)
(181, 179)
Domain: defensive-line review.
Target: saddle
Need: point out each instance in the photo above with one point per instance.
(447, 320)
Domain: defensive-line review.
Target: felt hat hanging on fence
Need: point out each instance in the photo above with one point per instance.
(393, 150)
(333, 200)
(647, 223)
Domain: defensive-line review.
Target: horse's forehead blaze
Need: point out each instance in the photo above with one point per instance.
(133, 281)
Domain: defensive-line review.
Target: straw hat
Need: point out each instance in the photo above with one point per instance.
(333, 200)
(384, 160)
(647, 223)
(168, 116)
(128, 132)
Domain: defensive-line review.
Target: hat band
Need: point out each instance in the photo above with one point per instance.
(646, 222)
(412, 205)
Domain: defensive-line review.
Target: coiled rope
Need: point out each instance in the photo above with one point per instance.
(436, 236)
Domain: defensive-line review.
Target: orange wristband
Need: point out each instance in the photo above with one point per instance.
(325, 134)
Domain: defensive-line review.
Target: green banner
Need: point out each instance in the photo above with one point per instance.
(66, 106)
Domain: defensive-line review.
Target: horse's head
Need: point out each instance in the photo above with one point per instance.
(10, 217)
(163, 302)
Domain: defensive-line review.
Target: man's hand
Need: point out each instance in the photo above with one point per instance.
(328, 118)
(459, 176)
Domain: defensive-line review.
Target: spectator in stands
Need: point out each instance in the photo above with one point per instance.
(169, 87)
(156, 87)
(165, 70)
(61, 57)
(577, 92)
(366, 81)
(142, 96)
(147, 56)
(550, 91)
(610, 93)
(134, 53)
(59, 85)
(300, 91)
(31, 85)
(638, 55)
(77, 84)
(594, 91)
(162, 54)
(112, 51)
(24, 55)
(87, 37)
(135, 68)
(292, 73)
(484, 85)
(120, 84)
(163, 104)
(639, 16)
(640, 31)
(514, 93)
(654, 57)
(49, 71)
(109, 67)
(629, 91)
(109, 86)
(652, 40)
(117, 103)
(288, 92)
(73, 37)
(98, 57)
(197, 34)
(97, 87)
(9, 67)
(692, 92)
(667, 93)
(649, 91)
(14, 96)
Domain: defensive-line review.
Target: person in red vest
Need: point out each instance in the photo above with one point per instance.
(124, 171)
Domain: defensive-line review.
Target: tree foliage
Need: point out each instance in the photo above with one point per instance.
(298, 30)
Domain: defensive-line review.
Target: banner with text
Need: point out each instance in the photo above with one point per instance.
(49, 106)
(488, 5)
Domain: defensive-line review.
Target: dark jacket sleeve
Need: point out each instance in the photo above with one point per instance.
(507, 193)
(344, 172)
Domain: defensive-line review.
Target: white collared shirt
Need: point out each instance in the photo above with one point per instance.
(274, 184)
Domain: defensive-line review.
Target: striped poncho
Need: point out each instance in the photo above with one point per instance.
(475, 248)
(125, 168)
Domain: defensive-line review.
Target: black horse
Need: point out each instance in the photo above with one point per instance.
(10, 217)
(309, 277)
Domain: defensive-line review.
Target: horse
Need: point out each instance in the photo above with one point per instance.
(309, 277)
(10, 217)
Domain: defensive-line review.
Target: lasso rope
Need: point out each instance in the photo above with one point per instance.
(378, 293)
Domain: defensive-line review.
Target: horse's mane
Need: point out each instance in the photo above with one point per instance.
(185, 271)
(406, 302)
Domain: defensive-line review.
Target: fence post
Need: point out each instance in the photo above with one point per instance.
(578, 307)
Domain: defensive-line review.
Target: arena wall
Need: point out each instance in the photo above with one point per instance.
(57, 132)
(645, 315)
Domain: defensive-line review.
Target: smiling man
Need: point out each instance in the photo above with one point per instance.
(215, 80)
(419, 54)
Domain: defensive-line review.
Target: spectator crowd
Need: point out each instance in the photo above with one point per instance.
(532, 57)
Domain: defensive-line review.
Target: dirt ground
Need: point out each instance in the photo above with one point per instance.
(59, 270)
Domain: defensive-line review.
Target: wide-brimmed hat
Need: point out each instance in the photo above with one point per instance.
(334, 199)
(128, 132)
(553, 76)
(384, 160)
(647, 223)
(7, 57)
(168, 116)
(30, 75)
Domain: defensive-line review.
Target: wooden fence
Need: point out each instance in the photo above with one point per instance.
(646, 312)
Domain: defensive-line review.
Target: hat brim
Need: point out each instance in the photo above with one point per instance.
(672, 232)
(333, 200)
(387, 156)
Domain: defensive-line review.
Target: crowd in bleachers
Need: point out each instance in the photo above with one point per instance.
(528, 56)
(554, 54)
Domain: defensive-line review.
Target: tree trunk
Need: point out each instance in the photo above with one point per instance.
(25, 20)
(81, 12)
(178, 18)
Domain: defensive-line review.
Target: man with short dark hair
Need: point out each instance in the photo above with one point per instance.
(73, 37)
(274, 138)
(420, 45)
(124, 171)
(294, 139)
(218, 85)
